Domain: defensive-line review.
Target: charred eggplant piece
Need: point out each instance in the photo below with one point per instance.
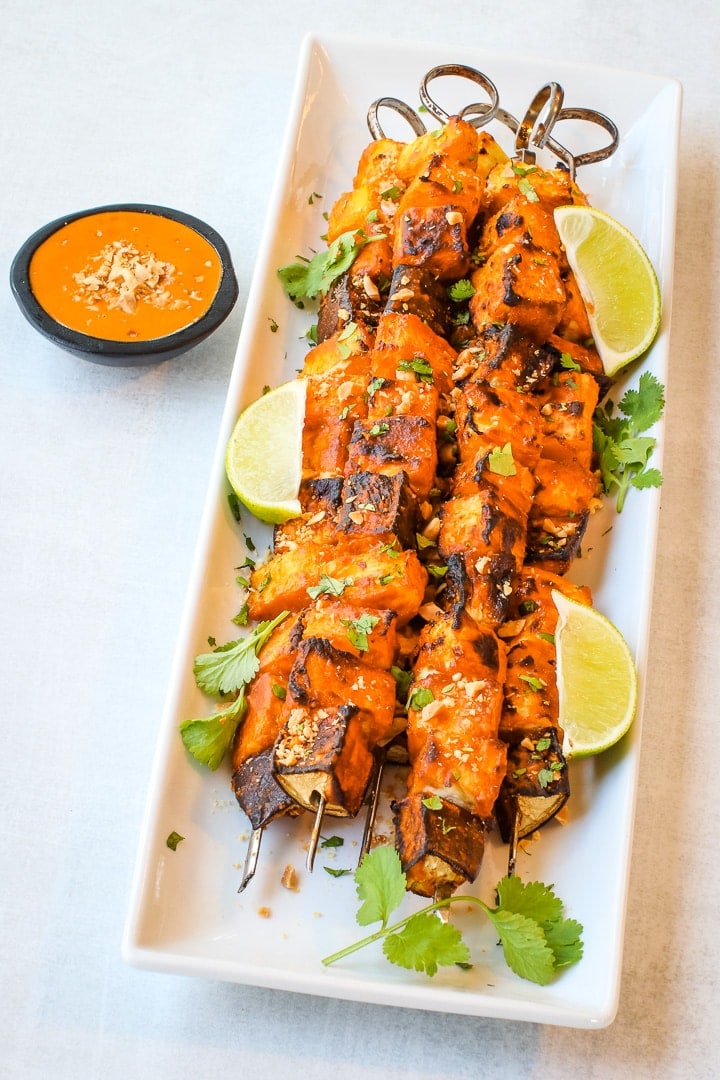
(536, 786)
(377, 504)
(439, 848)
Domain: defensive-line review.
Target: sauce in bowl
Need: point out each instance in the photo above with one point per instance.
(126, 284)
(124, 275)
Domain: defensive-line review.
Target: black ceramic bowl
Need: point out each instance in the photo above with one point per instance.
(125, 352)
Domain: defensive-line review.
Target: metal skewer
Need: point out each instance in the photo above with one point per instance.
(315, 836)
(373, 803)
(484, 111)
(251, 858)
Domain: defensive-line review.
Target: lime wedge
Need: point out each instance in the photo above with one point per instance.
(597, 680)
(263, 459)
(616, 280)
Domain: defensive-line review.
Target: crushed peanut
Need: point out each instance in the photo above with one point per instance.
(121, 277)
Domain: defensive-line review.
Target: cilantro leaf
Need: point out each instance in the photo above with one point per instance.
(419, 697)
(422, 368)
(531, 898)
(433, 802)
(635, 451)
(525, 188)
(536, 939)
(567, 362)
(208, 739)
(306, 279)
(564, 938)
(500, 460)
(424, 942)
(403, 680)
(380, 883)
(461, 290)
(231, 666)
(225, 670)
(644, 405)
(524, 946)
(329, 586)
(622, 450)
(647, 478)
(359, 629)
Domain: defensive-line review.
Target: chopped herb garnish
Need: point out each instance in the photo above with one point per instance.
(241, 619)
(329, 586)
(419, 697)
(461, 290)
(536, 939)
(403, 680)
(226, 670)
(545, 777)
(390, 549)
(433, 802)
(525, 188)
(307, 279)
(333, 872)
(173, 840)
(422, 368)
(231, 666)
(567, 361)
(331, 842)
(380, 428)
(501, 461)
(359, 629)
(533, 682)
(623, 451)
(234, 504)
(279, 691)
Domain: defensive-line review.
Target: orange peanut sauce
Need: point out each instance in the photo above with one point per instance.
(124, 275)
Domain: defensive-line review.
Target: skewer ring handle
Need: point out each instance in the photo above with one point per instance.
(398, 106)
(538, 121)
(482, 109)
(593, 117)
(483, 113)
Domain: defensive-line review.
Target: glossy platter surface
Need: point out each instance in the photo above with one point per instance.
(185, 915)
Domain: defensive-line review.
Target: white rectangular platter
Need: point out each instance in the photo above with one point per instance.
(185, 914)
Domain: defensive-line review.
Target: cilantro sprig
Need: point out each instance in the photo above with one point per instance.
(306, 279)
(536, 939)
(622, 449)
(225, 670)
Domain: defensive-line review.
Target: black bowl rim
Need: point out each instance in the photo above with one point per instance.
(104, 348)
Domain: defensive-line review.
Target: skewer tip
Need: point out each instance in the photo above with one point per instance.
(251, 859)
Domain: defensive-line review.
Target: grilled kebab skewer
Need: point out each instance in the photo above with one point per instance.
(384, 453)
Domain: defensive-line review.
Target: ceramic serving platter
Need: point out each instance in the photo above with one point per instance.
(185, 914)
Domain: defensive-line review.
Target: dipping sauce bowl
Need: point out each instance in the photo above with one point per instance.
(126, 284)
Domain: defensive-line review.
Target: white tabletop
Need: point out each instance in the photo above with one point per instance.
(103, 475)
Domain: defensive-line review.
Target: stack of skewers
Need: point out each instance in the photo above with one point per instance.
(447, 482)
